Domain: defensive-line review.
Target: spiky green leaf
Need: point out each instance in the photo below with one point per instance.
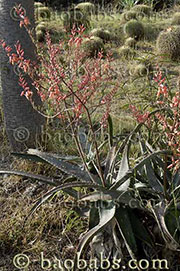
(151, 177)
(108, 166)
(105, 216)
(46, 180)
(53, 191)
(139, 229)
(126, 230)
(68, 168)
(159, 213)
(132, 171)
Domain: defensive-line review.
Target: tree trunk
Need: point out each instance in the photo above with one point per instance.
(22, 122)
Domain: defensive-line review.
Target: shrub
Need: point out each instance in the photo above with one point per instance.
(134, 29)
(129, 15)
(168, 43)
(74, 17)
(130, 42)
(142, 10)
(92, 46)
(42, 13)
(86, 8)
(105, 35)
(176, 18)
(126, 52)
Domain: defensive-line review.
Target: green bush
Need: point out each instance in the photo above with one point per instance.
(75, 17)
(105, 35)
(129, 15)
(168, 43)
(92, 46)
(130, 42)
(142, 10)
(134, 29)
(42, 13)
(176, 19)
(86, 8)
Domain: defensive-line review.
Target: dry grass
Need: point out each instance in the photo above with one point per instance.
(54, 229)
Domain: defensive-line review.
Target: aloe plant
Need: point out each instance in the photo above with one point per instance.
(147, 188)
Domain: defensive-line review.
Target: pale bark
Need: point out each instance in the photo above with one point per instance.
(18, 111)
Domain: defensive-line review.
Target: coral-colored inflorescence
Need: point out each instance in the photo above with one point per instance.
(168, 118)
(170, 122)
(64, 77)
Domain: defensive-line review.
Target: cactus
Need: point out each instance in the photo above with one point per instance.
(126, 52)
(41, 30)
(142, 10)
(75, 17)
(86, 8)
(134, 29)
(151, 32)
(140, 70)
(176, 19)
(42, 26)
(129, 15)
(130, 42)
(40, 36)
(42, 13)
(105, 35)
(92, 46)
(38, 4)
(168, 43)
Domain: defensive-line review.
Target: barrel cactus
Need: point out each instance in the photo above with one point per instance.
(38, 4)
(105, 35)
(140, 70)
(129, 15)
(126, 52)
(134, 29)
(86, 8)
(92, 46)
(42, 13)
(40, 36)
(41, 29)
(74, 17)
(168, 43)
(130, 42)
(176, 19)
(42, 26)
(142, 10)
